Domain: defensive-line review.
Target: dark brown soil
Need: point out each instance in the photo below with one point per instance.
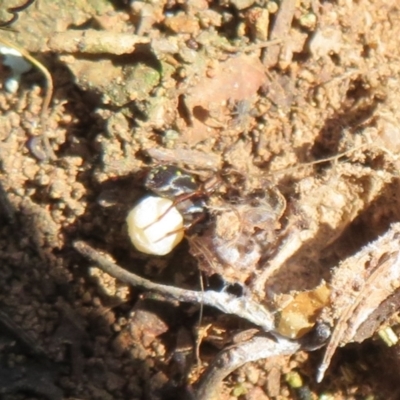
(254, 92)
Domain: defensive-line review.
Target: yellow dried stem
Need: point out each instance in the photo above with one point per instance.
(47, 96)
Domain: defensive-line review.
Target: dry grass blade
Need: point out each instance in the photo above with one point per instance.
(47, 97)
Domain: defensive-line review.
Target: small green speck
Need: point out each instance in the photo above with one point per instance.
(294, 379)
(239, 390)
(388, 336)
(325, 396)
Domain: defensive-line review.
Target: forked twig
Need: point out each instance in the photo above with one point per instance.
(244, 306)
(228, 360)
(257, 348)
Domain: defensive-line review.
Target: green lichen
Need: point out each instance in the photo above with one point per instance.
(140, 80)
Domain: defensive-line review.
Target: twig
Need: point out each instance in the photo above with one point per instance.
(380, 262)
(91, 41)
(252, 47)
(257, 348)
(244, 306)
(320, 161)
(280, 29)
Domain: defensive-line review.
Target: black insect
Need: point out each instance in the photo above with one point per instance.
(187, 194)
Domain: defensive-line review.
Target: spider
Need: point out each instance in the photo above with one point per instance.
(177, 204)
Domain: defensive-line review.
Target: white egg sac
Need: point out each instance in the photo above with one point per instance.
(151, 231)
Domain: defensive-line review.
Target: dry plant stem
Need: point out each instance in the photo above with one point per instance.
(257, 348)
(251, 47)
(280, 29)
(47, 97)
(243, 307)
(194, 158)
(98, 42)
(321, 161)
(381, 262)
(92, 41)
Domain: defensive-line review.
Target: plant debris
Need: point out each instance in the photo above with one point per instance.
(286, 115)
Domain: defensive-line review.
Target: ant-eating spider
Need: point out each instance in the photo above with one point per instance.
(177, 205)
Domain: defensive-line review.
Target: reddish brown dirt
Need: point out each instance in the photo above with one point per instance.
(200, 77)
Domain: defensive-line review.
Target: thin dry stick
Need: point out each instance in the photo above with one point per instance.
(244, 307)
(322, 160)
(47, 97)
(280, 29)
(257, 348)
(251, 47)
(198, 338)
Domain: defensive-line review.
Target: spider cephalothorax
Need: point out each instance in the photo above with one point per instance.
(182, 189)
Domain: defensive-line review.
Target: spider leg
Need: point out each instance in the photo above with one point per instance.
(179, 199)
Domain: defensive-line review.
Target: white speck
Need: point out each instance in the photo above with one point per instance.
(16, 61)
